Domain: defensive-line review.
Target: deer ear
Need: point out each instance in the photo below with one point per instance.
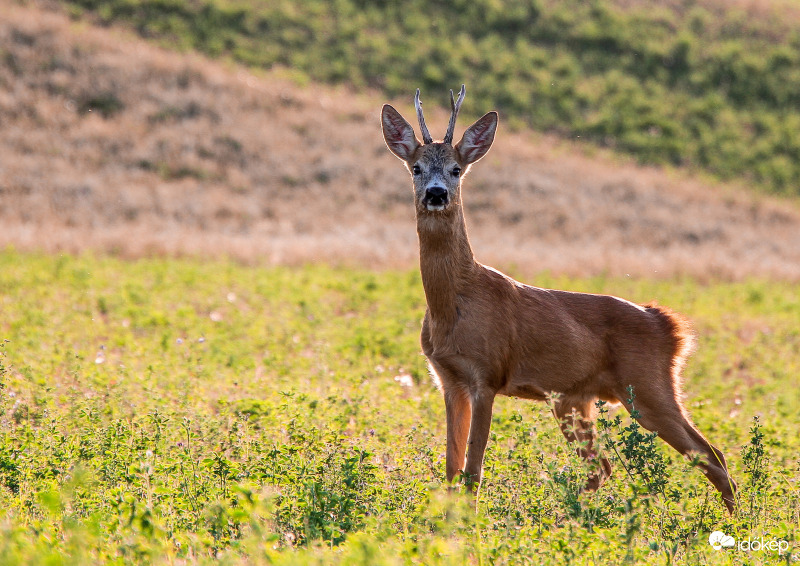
(398, 133)
(478, 138)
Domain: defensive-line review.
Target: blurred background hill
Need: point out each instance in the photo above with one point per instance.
(711, 84)
(251, 129)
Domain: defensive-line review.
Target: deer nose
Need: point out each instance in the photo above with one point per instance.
(436, 196)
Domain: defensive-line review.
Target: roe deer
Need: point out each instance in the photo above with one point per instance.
(486, 334)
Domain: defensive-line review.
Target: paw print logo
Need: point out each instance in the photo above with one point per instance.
(719, 540)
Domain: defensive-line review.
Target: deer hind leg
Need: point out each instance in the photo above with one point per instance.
(660, 411)
(576, 421)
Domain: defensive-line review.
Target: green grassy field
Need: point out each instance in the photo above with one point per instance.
(704, 84)
(179, 411)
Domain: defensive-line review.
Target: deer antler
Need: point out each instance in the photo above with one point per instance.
(426, 135)
(455, 106)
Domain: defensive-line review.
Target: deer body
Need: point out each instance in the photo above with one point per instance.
(486, 334)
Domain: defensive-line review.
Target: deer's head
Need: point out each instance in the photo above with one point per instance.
(437, 167)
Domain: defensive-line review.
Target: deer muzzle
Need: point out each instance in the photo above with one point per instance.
(435, 198)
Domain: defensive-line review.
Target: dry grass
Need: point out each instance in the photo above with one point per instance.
(195, 157)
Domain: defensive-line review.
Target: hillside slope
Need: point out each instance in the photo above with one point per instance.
(114, 145)
(713, 85)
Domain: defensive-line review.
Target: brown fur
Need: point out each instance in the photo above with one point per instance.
(486, 334)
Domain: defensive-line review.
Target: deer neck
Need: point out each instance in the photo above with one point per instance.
(446, 261)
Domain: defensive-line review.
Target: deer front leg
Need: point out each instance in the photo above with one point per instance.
(482, 402)
(457, 406)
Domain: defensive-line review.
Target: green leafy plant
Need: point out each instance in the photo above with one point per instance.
(276, 433)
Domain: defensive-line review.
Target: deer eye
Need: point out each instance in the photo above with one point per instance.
(456, 171)
(416, 170)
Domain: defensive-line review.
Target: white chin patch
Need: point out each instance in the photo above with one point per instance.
(435, 207)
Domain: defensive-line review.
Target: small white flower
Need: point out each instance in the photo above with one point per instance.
(404, 380)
